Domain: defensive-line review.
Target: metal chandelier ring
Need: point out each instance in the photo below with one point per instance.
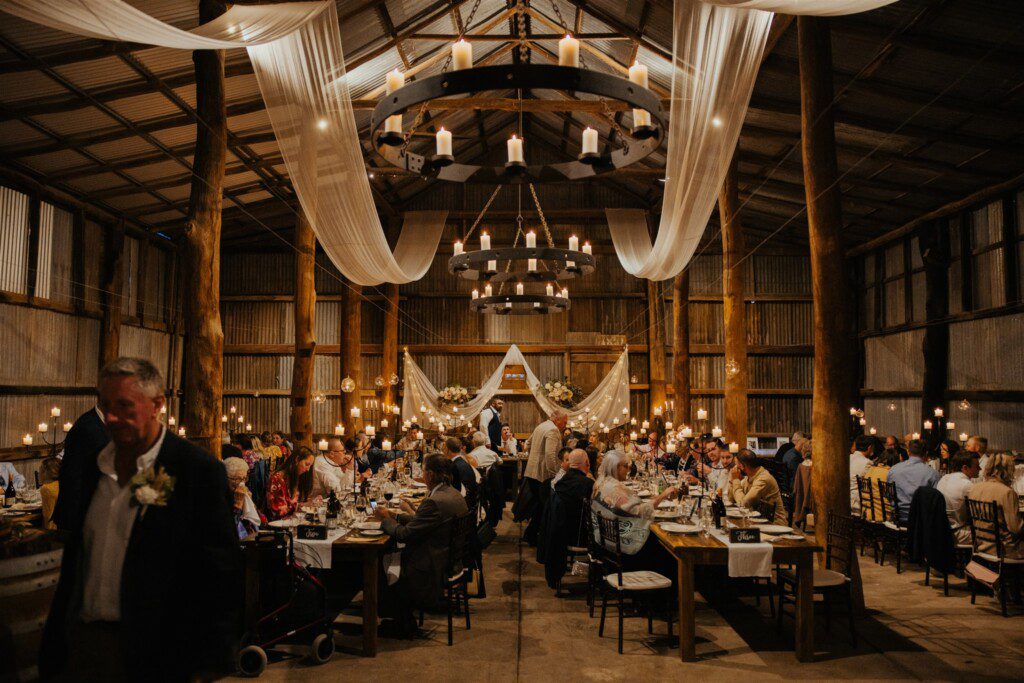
(472, 265)
(522, 304)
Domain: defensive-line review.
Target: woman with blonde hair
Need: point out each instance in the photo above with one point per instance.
(997, 488)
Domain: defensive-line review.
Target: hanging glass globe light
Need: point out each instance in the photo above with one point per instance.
(319, 397)
(892, 407)
(964, 404)
(732, 368)
(633, 379)
(378, 381)
(393, 380)
(348, 385)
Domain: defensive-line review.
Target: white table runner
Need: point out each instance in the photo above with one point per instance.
(746, 559)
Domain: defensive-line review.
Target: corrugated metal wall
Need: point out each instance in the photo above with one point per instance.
(13, 241)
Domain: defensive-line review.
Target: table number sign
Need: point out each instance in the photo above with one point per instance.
(311, 532)
(745, 535)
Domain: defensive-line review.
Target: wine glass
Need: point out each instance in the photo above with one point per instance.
(361, 505)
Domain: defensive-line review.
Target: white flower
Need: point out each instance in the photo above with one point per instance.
(558, 384)
(145, 495)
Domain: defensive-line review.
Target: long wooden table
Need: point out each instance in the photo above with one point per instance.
(368, 550)
(693, 549)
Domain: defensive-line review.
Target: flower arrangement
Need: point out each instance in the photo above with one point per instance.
(454, 395)
(151, 487)
(564, 392)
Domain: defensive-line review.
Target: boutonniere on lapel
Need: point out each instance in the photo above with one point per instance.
(151, 487)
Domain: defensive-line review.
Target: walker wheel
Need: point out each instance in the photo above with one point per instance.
(251, 661)
(322, 648)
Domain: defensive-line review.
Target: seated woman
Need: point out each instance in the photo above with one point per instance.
(997, 487)
(291, 484)
(247, 517)
(613, 498)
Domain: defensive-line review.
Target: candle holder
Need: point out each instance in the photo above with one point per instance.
(515, 168)
(644, 132)
(593, 158)
(391, 139)
(473, 265)
(442, 160)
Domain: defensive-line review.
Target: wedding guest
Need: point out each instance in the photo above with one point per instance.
(801, 451)
(563, 465)
(466, 476)
(247, 517)
(149, 578)
(509, 446)
(336, 469)
(490, 421)
(87, 436)
(997, 487)
(947, 449)
(410, 441)
(49, 489)
(562, 517)
(652, 448)
(541, 466)
(780, 454)
(291, 484)
(875, 474)
(860, 460)
(910, 475)
(953, 487)
(483, 455)
(8, 474)
(280, 439)
(750, 483)
(978, 444)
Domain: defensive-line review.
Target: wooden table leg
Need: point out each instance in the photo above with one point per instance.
(370, 574)
(804, 635)
(687, 623)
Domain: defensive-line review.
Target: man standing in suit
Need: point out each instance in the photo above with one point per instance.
(86, 438)
(541, 466)
(426, 533)
(490, 422)
(146, 585)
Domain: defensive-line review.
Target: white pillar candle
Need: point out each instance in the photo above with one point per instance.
(476, 294)
(632, 436)
(658, 411)
(853, 411)
(394, 80)
(915, 436)
(355, 412)
(393, 124)
(702, 414)
(668, 425)
(322, 444)
(339, 430)
(872, 431)
(604, 430)
(632, 421)
(163, 409)
(927, 424)
(43, 427)
(181, 432)
(67, 426)
(383, 424)
(565, 292)
(531, 240)
(587, 249)
(687, 432)
(248, 427)
(568, 51)
(716, 432)
(519, 288)
(492, 266)
(55, 411)
(444, 141)
(645, 424)
(385, 445)
(863, 421)
(615, 420)
(549, 290)
(419, 435)
(515, 149)
(638, 74)
(963, 436)
(950, 426)
(459, 249)
(371, 431)
(423, 408)
(574, 243)
(641, 117)
(395, 410)
(488, 291)
(224, 419)
(939, 412)
(485, 242)
(625, 411)
(734, 447)
(589, 140)
(462, 55)
(232, 410)
(531, 265)
(26, 440)
(171, 421)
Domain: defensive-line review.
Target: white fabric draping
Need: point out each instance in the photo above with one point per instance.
(717, 46)
(603, 405)
(297, 57)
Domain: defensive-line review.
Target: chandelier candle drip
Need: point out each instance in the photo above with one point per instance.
(569, 52)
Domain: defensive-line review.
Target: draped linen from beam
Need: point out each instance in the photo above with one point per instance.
(717, 48)
(605, 403)
(297, 57)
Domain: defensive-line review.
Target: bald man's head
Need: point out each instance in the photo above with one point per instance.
(578, 460)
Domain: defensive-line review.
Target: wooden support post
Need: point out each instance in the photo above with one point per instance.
(351, 355)
(389, 349)
(681, 348)
(111, 284)
(933, 244)
(305, 332)
(734, 310)
(204, 349)
(834, 333)
(656, 345)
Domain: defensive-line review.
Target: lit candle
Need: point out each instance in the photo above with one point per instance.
(67, 426)
(574, 243)
(241, 419)
(531, 241)
(702, 414)
(939, 412)
(963, 436)
(643, 430)
(565, 292)
(371, 431)
(604, 430)
(419, 434)
(863, 421)
(431, 419)
(393, 124)
(476, 294)
(519, 288)
(658, 411)
(645, 424)
(171, 421)
(248, 427)
(641, 117)
(589, 140)
(853, 411)
(385, 445)
(322, 444)
(462, 55)
(458, 247)
(224, 419)
(232, 410)
(395, 80)
(181, 432)
(355, 412)
(632, 436)
(915, 436)
(531, 265)
(444, 142)
(26, 440)
(488, 290)
(632, 421)
(734, 447)
(485, 242)
(423, 408)
(625, 411)
(339, 430)
(951, 426)
(872, 431)
(43, 427)
(384, 424)
(587, 249)
(716, 431)
(668, 425)
(395, 410)
(549, 290)
(927, 424)
(638, 74)
(492, 266)
(558, 294)
(515, 149)
(163, 409)
(568, 51)
(687, 432)
(55, 411)
(615, 420)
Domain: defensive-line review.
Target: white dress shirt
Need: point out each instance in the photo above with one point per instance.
(859, 464)
(953, 488)
(7, 473)
(484, 457)
(329, 476)
(108, 527)
(486, 415)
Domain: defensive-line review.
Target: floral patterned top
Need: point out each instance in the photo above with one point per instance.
(280, 503)
(613, 499)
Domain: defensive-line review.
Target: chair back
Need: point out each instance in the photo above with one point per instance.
(610, 547)
(585, 530)
(890, 503)
(839, 543)
(986, 520)
(866, 496)
(460, 555)
(765, 509)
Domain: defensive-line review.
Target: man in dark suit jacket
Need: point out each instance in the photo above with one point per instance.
(562, 523)
(147, 581)
(87, 436)
(426, 535)
(466, 474)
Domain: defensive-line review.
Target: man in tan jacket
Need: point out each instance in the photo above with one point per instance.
(752, 483)
(541, 467)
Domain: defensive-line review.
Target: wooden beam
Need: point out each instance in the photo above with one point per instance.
(933, 246)
(204, 350)
(111, 285)
(389, 354)
(656, 344)
(305, 332)
(834, 333)
(734, 309)
(351, 354)
(681, 346)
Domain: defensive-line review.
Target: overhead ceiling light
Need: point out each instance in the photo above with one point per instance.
(716, 122)
(371, 174)
(322, 124)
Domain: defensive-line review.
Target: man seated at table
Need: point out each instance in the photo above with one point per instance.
(426, 533)
(561, 525)
(8, 474)
(466, 477)
(860, 460)
(953, 487)
(910, 475)
(750, 483)
(410, 441)
(508, 447)
(794, 456)
(484, 456)
(563, 465)
(333, 470)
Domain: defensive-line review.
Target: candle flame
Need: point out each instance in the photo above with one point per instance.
(568, 35)
(513, 136)
(441, 130)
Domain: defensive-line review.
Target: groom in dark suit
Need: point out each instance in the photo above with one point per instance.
(147, 586)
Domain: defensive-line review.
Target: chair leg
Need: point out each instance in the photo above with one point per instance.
(621, 610)
(481, 587)
(827, 606)
(927, 574)
(1002, 593)
(450, 629)
(899, 555)
(668, 615)
(649, 607)
(465, 596)
(771, 597)
(945, 585)
(850, 616)
(604, 608)
(973, 587)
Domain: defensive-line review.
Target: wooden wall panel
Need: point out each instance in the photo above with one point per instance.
(987, 354)
(894, 415)
(894, 361)
(777, 415)
(46, 348)
(1002, 423)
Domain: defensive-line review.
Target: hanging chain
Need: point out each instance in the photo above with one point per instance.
(521, 25)
(482, 212)
(565, 27)
(543, 221)
(610, 115)
(515, 243)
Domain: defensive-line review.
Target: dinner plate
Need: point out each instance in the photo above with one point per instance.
(776, 529)
(673, 528)
(366, 526)
(667, 514)
(284, 523)
(371, 532)
(419, 485)
(793, 537)
(666, 504)
(644, 494)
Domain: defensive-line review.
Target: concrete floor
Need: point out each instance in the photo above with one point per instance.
(521, 631)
